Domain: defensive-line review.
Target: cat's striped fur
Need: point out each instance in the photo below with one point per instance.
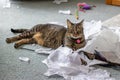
(50, 35)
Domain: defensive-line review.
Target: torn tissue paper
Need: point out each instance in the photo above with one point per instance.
(108, 40)
(64, 62)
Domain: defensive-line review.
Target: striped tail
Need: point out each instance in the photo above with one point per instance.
(18, 30)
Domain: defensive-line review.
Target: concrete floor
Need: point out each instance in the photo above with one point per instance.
(26, 14)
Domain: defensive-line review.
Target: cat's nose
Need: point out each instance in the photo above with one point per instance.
(75, 34)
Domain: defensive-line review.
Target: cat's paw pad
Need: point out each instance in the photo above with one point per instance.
(91, 56)
(16, 45)
(8, 40)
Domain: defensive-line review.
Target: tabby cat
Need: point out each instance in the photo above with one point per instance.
(51, 35)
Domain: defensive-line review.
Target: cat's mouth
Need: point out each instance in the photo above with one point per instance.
(77, 40)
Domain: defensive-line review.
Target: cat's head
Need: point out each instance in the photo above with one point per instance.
(75, 32)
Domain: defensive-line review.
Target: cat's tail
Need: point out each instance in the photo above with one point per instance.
(18, 30)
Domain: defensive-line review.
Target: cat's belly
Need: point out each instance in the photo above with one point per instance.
(52, 43)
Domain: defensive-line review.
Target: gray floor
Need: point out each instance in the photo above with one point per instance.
(27, 14)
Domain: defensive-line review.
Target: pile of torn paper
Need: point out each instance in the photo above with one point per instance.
(64, 62)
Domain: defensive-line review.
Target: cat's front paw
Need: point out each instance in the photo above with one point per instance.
(8, 40)
(83, 62)
(16, 45)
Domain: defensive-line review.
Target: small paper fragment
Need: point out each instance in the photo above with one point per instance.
(68, 12)
(59, 1)
(26, 59)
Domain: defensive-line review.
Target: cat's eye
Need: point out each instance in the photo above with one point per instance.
(77, 32)
(80, 31)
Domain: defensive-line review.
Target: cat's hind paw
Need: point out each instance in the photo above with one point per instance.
(8, 40)
(16, 45)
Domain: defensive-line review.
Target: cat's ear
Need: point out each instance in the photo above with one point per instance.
(81, 22)
(69, 24)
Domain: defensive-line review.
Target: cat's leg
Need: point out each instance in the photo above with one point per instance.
(38, 38)
(24, 41)
(24, 35)
(12, 39)
(83, 62)
(89, 55)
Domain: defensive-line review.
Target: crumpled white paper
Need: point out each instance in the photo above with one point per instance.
(107, 40)
(97, 74)
(91, 29)
(64, 62)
